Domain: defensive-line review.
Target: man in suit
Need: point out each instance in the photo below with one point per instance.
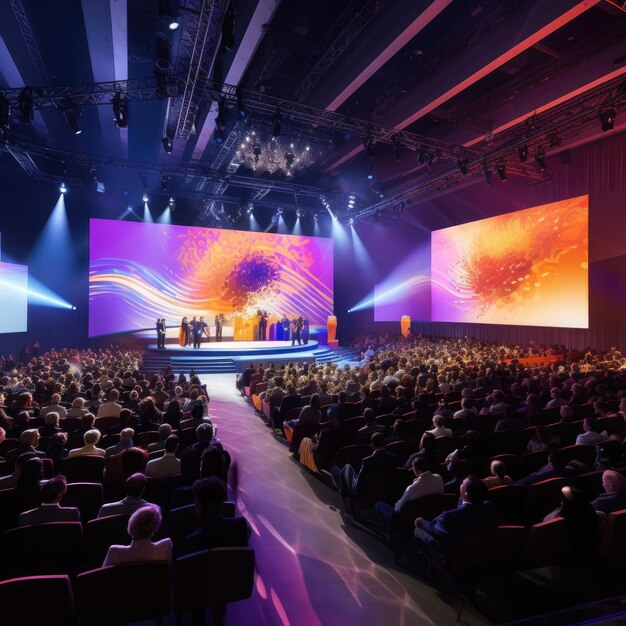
(160, 328)
(352, 484)
(28, 442)
(168, 464)
(614, 496)
(290, 401)
(214, 530)
(54, 407)
(111, 408)
(243, 380)
(444, 534)
(52, 492)
(219, 323)
(135, 486)
(126, 441)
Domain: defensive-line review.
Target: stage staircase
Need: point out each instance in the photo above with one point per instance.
(155, 363)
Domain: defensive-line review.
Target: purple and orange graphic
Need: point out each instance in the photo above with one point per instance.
(528, 268)
(140, 271)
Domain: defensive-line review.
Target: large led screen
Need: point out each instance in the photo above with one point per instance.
(139, 272)
(527, 268)
(13, 298)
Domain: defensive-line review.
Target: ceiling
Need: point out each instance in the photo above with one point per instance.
(429, 82)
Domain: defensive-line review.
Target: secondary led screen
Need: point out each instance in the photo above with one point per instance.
(13, 298)
(139, 272)
(527, 268)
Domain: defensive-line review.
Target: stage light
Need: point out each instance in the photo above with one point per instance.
(397, 147)
(220, 134)
(240, 105)
(351, 221)
(607, 118)
(71, 112)
(299, 213)
(168, 14)
(120, 110)
(522, 152)
(277, 124)
(25, 105)
(167, 145)
(370, 176)
(250, 208)
(462, 165)
(165, 181)
(63, 188)
(145, 197)
(487, 173)
(501, 170)
(279, 210)
(370, 145)
(316, 217)
(540, 159)
(172, 204)
(421, 156)
(289, 158)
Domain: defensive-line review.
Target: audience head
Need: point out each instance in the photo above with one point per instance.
(171, 444)
(613, 482)
(420, 465)
(439, 421)
(53, 490)
(144, 522)
(32, 473)
(473, 490)
(114, 395)
(197, 411)
(566, 412)
(590, 424)
(378, 441)
(133, 461)
(204, 431)
(315, 402)
(92, 437)
(55, 399)
(135, 485)
(29, 437)
(209, 494)
(126, 435)
(369, 415)
(59, 440)
(498, 468)
(78, 403)
(165, 430)
(88, 420)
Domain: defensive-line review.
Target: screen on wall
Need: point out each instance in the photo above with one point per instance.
(526, 268)
(139, 272)
(13, 298)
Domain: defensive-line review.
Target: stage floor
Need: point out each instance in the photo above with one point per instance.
(235, 348)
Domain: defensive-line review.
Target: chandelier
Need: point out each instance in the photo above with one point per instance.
(274, 155)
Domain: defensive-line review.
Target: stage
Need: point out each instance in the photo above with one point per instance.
(233, 356)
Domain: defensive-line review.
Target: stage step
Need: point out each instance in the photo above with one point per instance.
(157, 363)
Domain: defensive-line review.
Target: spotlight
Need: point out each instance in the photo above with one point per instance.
(370, 145)
(63, 188)
(607, 118)
(351, 221)
(145, 197)
(167, 145)
(501, 170)
(279, 210)
(120, 110)
(395, 142)
(72, 113)
(277, 124)
(487, 173)
(370, 176)
(240, 106)
(256, 150)
(172, 203)
(522, 152)
(540, 159)
(220, 133)
(462, 165)
(250, 208)
(299, 213)
(165, 181)
(73, 308)
(421, 156)
(166, 12)
(316, 217)
(222, 111)
(289, 159)
(25, 105)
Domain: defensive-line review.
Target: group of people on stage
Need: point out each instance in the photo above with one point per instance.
(297, 329)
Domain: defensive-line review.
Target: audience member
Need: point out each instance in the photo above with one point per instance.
(168, 464)
(52, 492)
(91, 439)
(135, 485)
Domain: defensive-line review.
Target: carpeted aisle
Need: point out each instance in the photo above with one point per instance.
(312, 569)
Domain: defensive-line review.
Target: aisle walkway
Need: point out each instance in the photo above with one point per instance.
(313, 570)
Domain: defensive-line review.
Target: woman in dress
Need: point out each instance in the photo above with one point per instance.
(183, 334)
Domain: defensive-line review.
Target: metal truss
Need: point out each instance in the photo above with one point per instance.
(254, 102)
(200, 36)
(29, 38)
(342, 33)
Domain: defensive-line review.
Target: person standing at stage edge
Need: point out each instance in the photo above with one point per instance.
(183, 333)
(296, 330)
(219, 323)
(160, 328)
(192, 331)
(263, 326)
(199, 329)
(285, 324)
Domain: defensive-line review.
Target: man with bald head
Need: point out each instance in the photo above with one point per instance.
(135, 486)
(614, 496)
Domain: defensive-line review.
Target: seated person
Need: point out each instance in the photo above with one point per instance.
(135, 486)
(126, 441)
(28, 442)
(197, 418)
(439, 429)
(91, 439)
(364, 434)
(542, 439)
(614, 496)
(110, 408)
(498, 475)
(508, 421)
(142, 526)
(444, 534)
(554, 468)
(53, 407)
(165, 430)
(591, 435)
(51, 424)
(52, 492)
(168, 464)
(399, 433)
(423, 484)
(214, 530)
(78, 408)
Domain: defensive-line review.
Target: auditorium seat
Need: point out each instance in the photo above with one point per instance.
(52, 548)
(104, 423)
(70, 424)
(386, 419)
(617, 547)
(403, 450)
(532, 461)
(211, 579)
(510, 500)
(147, 437)
(7, 445)
(83, 469)
(37, 600)
(122, 594)
(547, 543)
(87, 497)
(590, 483)
(8, 509)
(103, 532)
(543, 497)
(352, 455)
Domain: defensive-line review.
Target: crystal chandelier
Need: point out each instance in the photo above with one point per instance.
(274, 155)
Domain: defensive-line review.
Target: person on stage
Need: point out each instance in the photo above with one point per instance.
(200, 328)
(305, 332)
(284, 322)
(160, 328)
(219, 323)
(263, 326)
(183, 333)
(296, 330)
(192, 325)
